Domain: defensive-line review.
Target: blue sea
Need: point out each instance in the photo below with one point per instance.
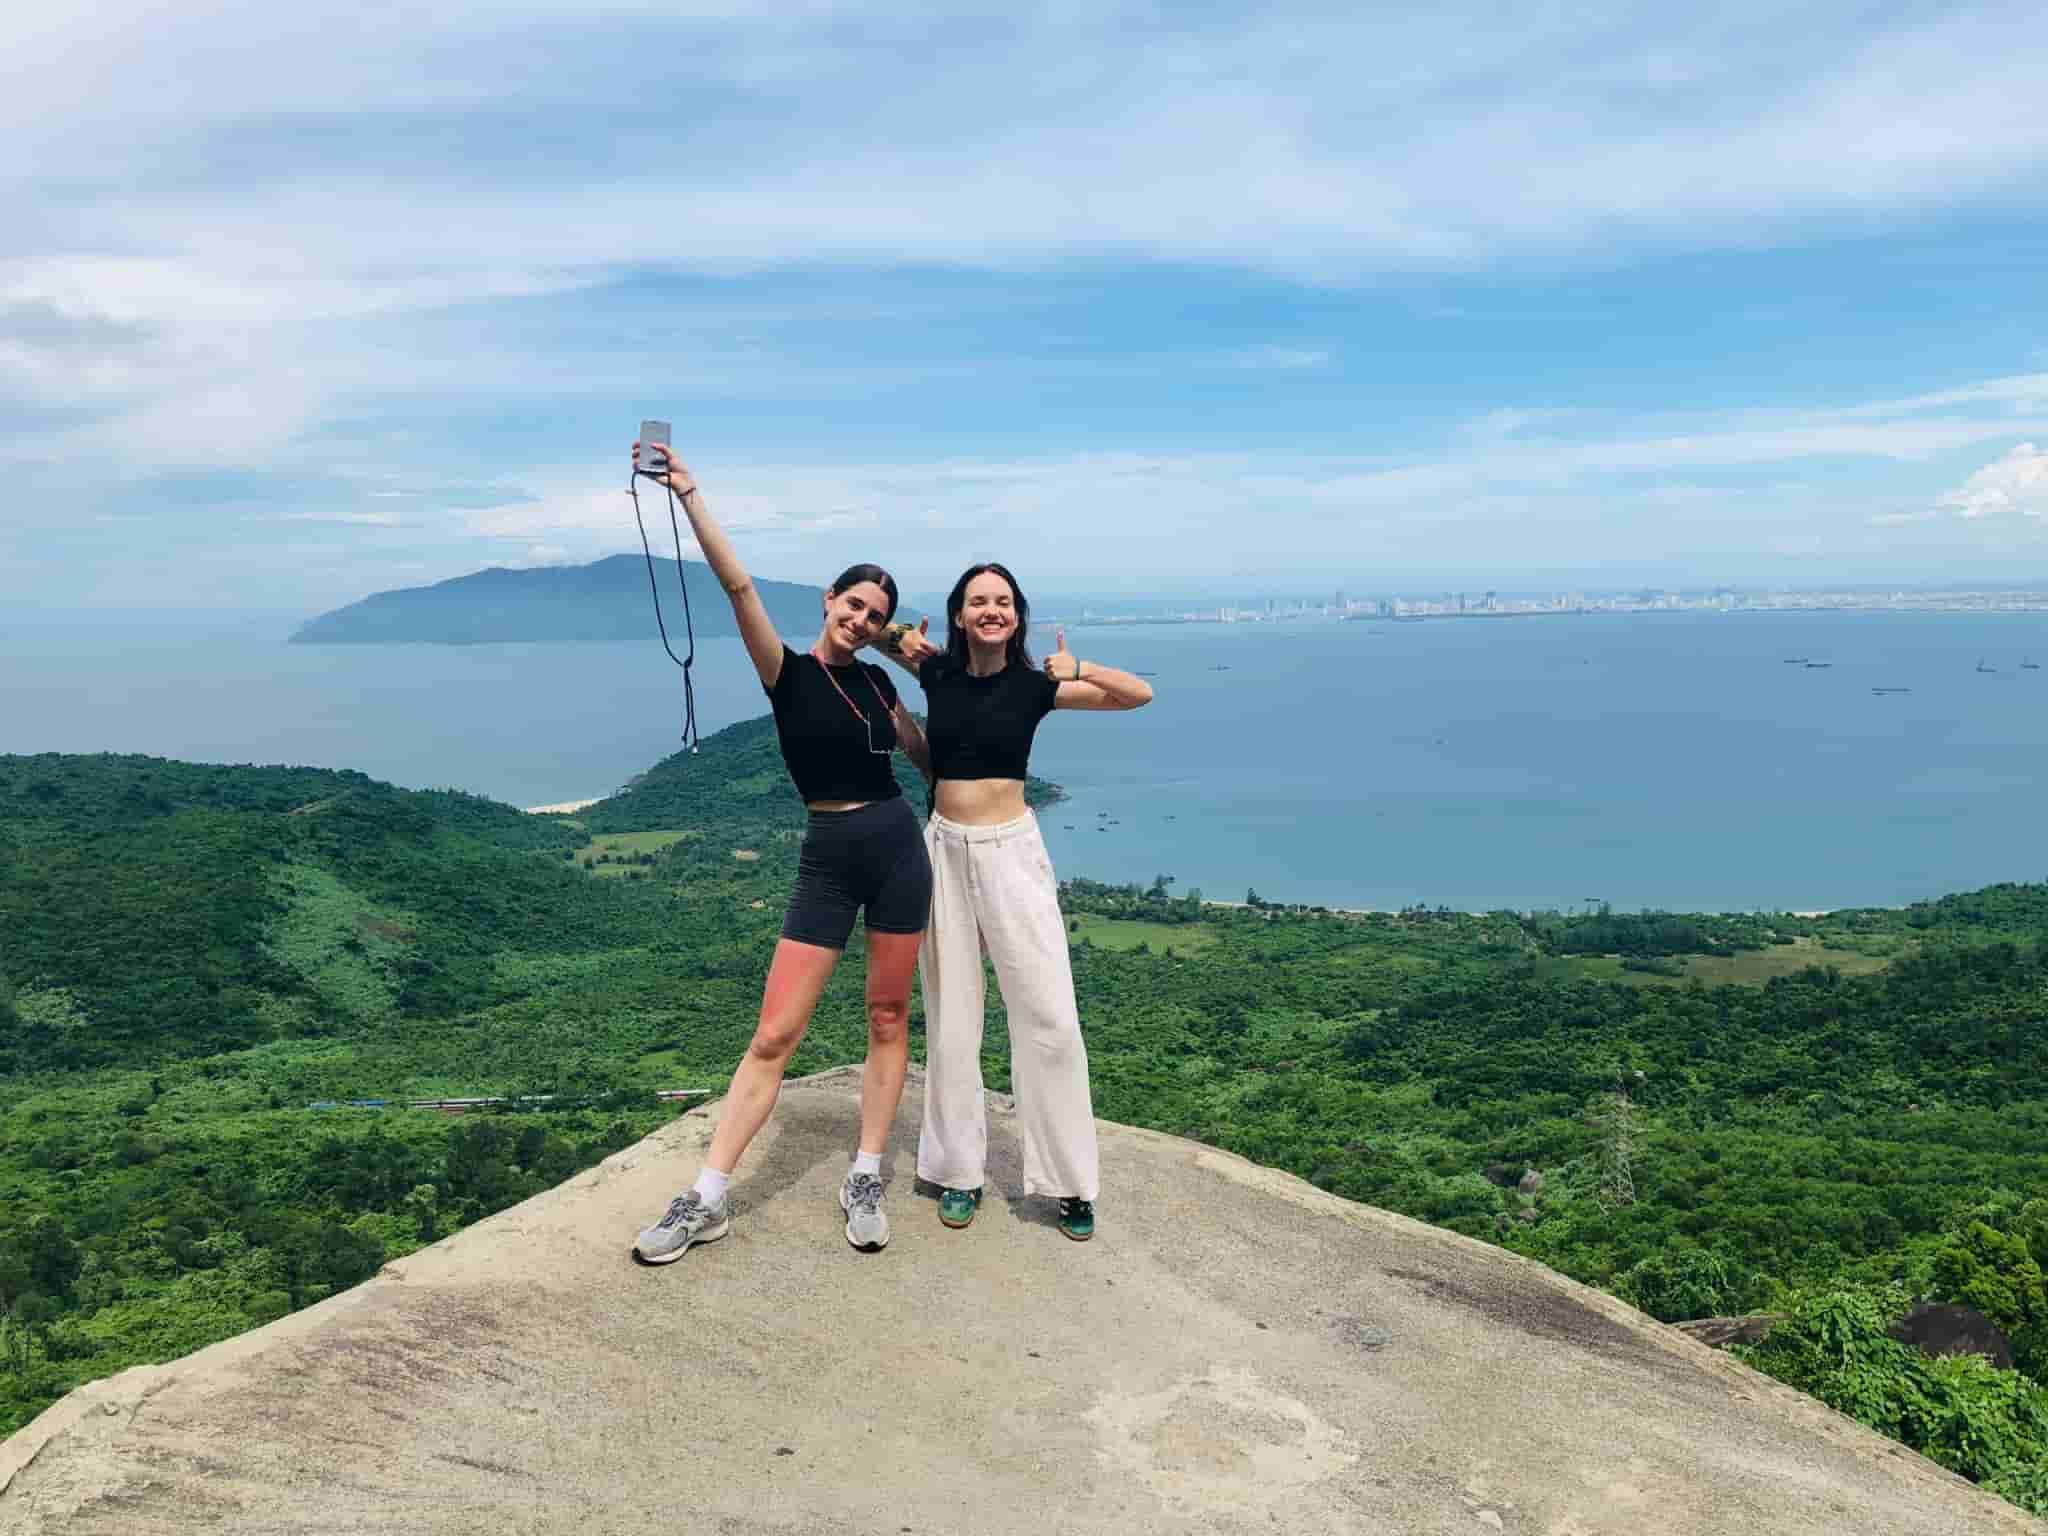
(1677, 760)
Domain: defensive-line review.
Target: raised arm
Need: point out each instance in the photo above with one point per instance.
(756, 628)
(910, 736)
(908, 645)
(1090, 685)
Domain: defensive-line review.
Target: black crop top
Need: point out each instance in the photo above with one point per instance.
(825, 746)
(981, 727)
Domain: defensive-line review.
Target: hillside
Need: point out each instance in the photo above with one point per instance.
(1349, 1371)
(605, 600)
(1811, 1109)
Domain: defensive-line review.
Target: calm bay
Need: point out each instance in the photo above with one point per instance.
(1679, 760)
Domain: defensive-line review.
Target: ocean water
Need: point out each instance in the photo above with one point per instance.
(1649, 760)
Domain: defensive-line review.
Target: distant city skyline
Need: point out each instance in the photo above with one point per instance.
(1277, 608)
(1137, 301)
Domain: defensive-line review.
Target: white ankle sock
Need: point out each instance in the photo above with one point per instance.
(867, 1162)
(711, 1185)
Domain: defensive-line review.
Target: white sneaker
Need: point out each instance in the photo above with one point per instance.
(687, 1220)
(860, 1196)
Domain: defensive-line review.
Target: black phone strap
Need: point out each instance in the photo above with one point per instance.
(686, 661)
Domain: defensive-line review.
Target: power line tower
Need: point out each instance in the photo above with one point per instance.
(1615, 1116)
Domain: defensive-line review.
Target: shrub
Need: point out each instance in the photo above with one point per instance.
(1990, 1426)
(1681, 1283)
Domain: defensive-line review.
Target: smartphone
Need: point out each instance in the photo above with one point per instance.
(653, 449)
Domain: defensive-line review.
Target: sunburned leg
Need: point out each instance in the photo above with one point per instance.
(796, 980)
(892, 961)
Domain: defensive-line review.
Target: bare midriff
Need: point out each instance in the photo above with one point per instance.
(980, 802)
(835, 805)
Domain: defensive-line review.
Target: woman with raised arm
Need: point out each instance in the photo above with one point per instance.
(993, 888)
(838, 720)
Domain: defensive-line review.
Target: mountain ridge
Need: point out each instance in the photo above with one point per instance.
(603, 601)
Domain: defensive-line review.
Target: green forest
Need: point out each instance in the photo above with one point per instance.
(1824, 1118)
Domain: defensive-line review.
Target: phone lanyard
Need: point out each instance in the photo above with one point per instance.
(865, 723)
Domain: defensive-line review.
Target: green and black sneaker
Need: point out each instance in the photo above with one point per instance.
(1077, 1218)
(957, 1206)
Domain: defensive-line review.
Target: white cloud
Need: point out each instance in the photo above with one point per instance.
(1612, 482)
(2016, 483)
(193, 270)
(1501, 449)
(1304, 141)
(1276, 356)
(359, 519)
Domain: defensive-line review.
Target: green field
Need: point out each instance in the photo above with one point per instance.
(1749, 968)
(620, 851)
(1121, 934)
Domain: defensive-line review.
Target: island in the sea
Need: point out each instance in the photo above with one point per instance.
(607, 600)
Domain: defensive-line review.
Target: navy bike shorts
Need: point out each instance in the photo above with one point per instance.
(871, 857)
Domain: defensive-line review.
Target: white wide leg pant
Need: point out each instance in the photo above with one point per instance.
(995, 886)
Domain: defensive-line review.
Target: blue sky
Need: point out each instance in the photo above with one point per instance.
(298, 303)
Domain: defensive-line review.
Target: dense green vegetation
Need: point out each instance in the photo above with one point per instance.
(190, 956)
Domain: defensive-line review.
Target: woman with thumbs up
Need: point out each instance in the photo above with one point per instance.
(993, 889)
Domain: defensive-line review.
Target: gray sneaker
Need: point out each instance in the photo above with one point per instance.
(687, 1220)
(860, 1196)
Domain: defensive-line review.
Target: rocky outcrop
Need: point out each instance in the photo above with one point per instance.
(1720, 1332)
(1937, 1328)
(1235, 1353)
(1933, 1328)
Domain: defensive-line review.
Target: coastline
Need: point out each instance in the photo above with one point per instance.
(570, 807)
(1394, 911)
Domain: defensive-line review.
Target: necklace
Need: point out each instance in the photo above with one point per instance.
(865, 724)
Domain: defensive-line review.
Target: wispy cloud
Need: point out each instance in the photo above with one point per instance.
(1298, 139)
(1276, 356)
(1724, 485)
(359, 519)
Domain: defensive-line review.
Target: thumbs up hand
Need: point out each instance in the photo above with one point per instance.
(913, 645)
(1062, 666)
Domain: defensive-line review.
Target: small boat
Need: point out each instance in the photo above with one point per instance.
(1982, 668)
(1891, 690)
(1818, 666)
(2030, 666)
(1795, 661)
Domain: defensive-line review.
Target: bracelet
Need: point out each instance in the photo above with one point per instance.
(685, 495)
(892, 638)
(1077, 669)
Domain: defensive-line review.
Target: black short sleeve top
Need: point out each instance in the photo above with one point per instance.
(981, 727)
(835, 727)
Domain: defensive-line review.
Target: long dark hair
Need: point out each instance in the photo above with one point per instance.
(854, 575)
(956, 633)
